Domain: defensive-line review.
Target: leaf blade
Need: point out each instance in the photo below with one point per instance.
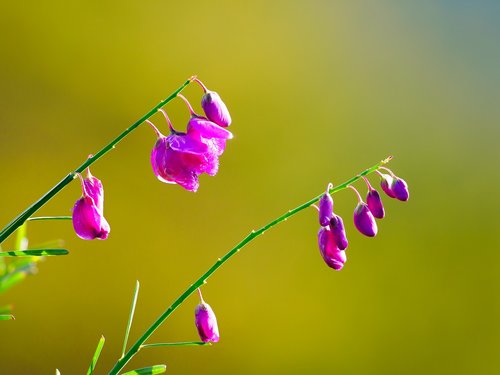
(96, 355)
(34, 253)
(130, 317)
(151, 370)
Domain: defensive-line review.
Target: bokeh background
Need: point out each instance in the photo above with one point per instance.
(318, 91)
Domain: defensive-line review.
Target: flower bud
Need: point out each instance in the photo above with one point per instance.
(215, 109)
(375, 204)
(386, 184)
(338, 231)
(88, 215)
(364, 220)
(206, 322)
(331, 254)
(400, 189)
(325, 208)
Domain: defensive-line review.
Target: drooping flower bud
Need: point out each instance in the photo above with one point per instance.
(364, 220)
(331, 254)
(338, 231)
(88, 215)
(375, 204)
(325, 207)
(215, 109)
(386, 184)
(400, 189)
(206, 322)
(213, 106)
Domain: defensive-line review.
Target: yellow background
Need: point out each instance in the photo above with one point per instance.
(318, 91)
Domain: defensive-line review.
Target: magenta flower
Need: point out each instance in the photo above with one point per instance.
(205, 321)
(178, 159)
(331, 254)
(400, 189)
(213, 106)
(325, 207)
(386, 184)
(213, 136)
(338, 231)
(363, 218)
(394, 186)
(374, 201)
(88, 215)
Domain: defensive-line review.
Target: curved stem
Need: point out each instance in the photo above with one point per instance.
(188, 343)
(37, 218)
(190, 108)
(120, 364)
(205, 90)
(357, 193)
(23, 216)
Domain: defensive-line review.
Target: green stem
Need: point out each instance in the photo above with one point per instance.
(23, 216)
(203, 278)
(188, 343)
(38, 218)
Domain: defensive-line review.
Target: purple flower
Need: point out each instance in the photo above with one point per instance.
(375, 204)
(394, 186)
(88, 215)
(179, 159)
(338, 231)
(213, 136)
(325, 207)
(213, 106)
(364, 220)
(331, 254)
(386, 184)
(206, 322)
(400, 189)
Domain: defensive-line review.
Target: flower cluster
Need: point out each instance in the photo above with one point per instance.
(332, 239)
(178, 158)
(182, 156)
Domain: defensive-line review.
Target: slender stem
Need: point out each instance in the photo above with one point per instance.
(203, 278)
(357, 193)
(187, 343)
(23, 216)
(37, 218)
(131, 317)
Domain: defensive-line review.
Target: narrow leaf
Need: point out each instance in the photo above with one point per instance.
(34, 253)
(7, 317)
(96, 355)
(187, 343)
(49, 218)
(152, 370)
(131, 317)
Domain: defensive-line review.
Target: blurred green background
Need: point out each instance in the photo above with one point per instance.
(318, 91)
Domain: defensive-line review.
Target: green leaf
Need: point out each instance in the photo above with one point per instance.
(49, 218)
(7, 317)
(152, 370)
(96, 355)
(131, 317)
(34, 253)
(57, 372)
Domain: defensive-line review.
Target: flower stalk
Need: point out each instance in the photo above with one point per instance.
(25, 215)
(140, 343)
